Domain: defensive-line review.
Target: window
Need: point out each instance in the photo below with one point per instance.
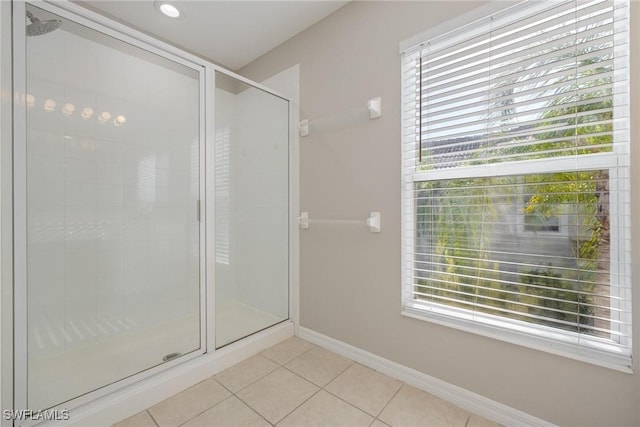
(516, 179)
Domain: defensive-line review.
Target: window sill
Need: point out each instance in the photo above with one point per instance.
(561, 343)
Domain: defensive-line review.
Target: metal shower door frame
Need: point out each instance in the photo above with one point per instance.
(20, 319)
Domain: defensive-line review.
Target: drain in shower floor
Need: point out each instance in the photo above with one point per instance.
(171, 356)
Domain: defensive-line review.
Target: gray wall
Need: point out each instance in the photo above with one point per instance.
(350, 278)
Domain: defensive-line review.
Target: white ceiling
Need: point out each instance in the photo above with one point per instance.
(229, 33)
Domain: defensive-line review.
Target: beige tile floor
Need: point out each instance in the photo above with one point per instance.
(296, 383)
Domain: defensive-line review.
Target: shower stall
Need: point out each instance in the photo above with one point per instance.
(151, 207)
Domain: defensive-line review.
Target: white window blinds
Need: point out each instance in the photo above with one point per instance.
(516, 177)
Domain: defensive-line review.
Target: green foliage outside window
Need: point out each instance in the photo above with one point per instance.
(457, 221)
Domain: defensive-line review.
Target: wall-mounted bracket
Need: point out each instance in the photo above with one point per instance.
(373, 222)
(375, 107)
(303, 127)
(303, 220)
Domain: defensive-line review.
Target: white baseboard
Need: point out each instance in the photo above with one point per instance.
(137, 397)
(465, 399)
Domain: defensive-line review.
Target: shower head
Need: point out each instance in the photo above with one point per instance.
(38, 27)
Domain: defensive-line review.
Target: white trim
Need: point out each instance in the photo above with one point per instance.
(288, 82)
(107, 27)
(459, 396)
(103, 24)
(201, 204)
(143, 394)
(19, 193)
(209, 209)
(522, 167)
(466, 19)
(20, 209)
(6, 209)
(543, 338)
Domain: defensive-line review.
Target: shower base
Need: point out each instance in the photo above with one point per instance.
(75, 367)
(65, 366)
(236, 320)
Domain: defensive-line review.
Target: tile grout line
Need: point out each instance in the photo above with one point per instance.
(350, 404)
(320, 388)
(223, 386)
(312, 346)
(354, 406)
(379, 420)
(302, 403)
(202, 412)
(341, 372)
(251, 383)
(278, 365)
(302, 378)
(254, 410)
(392, 397)
(152, 419)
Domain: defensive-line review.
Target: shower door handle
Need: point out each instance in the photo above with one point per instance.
(198, 210)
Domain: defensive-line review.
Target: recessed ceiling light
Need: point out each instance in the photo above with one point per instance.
(168, 9)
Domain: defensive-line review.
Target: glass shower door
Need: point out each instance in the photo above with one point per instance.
(251, 209)
(112, 232)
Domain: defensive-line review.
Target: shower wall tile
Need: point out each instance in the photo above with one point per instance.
(136, 281)
(80, 148)
(45, 233)
(110, 305)
(109, 195)
(47, 292)
(46, 267)
(44, 240)
(45, 192)
(46, 172)
(79, 171)
(158, 309)
(106, 131)
(80, 293)
(109, 238)
(48, 146)
(160, 274)
(183, 305)
(78, 311)
(109, 261)
(48, 319)
(79, 193)
(111, 284)
(80, 229)
(135, 310)
(109, 173)
(109, 151)
(80, 61)
(81, 96)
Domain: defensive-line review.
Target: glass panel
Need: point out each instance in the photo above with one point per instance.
(526, 247)
(112, 188)
(252, 209)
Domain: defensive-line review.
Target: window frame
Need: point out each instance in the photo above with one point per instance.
(574, 345)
